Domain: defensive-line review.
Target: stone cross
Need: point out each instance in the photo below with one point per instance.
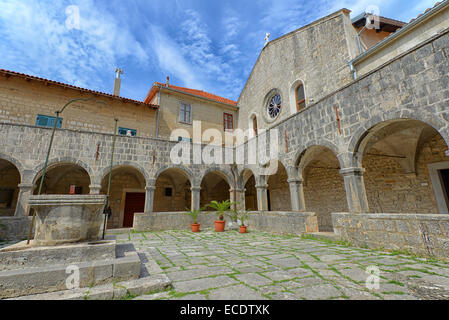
(267, 38)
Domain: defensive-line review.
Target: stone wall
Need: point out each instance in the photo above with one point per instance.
(296, 223)
(209, 113)
(423, 234)
(13, 229)
(21, 101)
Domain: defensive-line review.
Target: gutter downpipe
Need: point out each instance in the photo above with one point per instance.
(353, 69)
(158, 111)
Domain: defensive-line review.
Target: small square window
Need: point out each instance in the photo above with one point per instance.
(168, 192)
(47, 121)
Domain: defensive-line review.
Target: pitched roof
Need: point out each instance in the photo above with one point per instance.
(427, 10)
(8, 73)
(199, 93)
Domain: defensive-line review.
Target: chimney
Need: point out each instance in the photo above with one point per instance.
(168, 81)
(117, 81)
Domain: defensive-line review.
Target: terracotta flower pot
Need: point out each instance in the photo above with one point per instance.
(220, 226)
(195, 227)
(243, 229)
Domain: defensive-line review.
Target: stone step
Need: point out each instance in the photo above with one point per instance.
(121, 290)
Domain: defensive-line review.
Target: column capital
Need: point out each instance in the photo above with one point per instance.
(237, 190)
(352, 171)
(25, 186)
(262, 186)
(195, 189)
(295, 180)
(150, 188)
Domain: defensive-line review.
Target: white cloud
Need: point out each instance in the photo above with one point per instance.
(35, 38)
(171, 59)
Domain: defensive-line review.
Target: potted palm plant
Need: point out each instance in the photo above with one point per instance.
(194, 215)
(220, 208)
(243, 216)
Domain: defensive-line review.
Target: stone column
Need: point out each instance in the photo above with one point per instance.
(262, 197)
(196, 198)
(297, 195)
(240, 198)
(149, 198)
(95, 189)
(355, 190)
(22, 208)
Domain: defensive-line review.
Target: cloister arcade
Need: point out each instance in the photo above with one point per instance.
(401, 164)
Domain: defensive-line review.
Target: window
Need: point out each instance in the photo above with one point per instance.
(127, 132)
(47, 121)
(300, 98)
(274, 106)
(255, 125)
(185, 113)
(228, 122)
(181, 139)
(168, 192)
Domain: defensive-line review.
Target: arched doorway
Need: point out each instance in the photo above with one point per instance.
(214, 187)
(323, 185)
(173, 191)
(279, 190)
(407, 170)
(127, 195)
(9, 188)
(249, 183)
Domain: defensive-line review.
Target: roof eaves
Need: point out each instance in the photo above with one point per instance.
(438, 6)
(47, 82)
(198, 96)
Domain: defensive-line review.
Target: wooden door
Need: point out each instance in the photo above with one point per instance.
(134, 203)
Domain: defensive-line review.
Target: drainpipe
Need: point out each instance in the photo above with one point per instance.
(353, 69)
(234, 166)
(158, 111)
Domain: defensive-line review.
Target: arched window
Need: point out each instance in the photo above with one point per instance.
(300, 97)
(255, 125)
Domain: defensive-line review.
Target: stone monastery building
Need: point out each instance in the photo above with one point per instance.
(363, 122)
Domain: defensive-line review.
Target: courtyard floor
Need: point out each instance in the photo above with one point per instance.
(256, 265)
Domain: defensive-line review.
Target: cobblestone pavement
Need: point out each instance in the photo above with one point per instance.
(257, 265)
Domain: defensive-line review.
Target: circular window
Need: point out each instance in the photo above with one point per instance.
(274, 106)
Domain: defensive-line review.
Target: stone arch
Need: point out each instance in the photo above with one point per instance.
(397, 156)
(10, 180)
(323, 189)
(15, 162)
(299, 155)
(184, 170)
(425, 117)
(278, 191)
(99, 177)
(226, 174)
(60, 161)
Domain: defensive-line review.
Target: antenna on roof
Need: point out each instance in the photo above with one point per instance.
(117, 81)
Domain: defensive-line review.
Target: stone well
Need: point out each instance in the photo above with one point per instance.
(62, 219)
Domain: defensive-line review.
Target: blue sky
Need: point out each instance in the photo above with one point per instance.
(203, 44)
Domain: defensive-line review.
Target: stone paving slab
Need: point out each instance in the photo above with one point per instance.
(257, 265)
(203, 284)
(239, 292)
